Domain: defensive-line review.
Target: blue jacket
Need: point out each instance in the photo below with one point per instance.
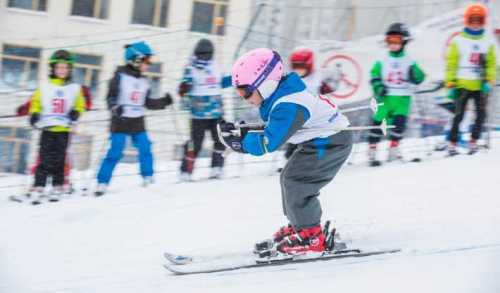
(282, 122)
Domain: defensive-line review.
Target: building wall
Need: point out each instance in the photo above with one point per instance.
(56, 29)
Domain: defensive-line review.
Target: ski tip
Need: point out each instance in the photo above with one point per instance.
(177, 259)
(15, 199)
(173, 270)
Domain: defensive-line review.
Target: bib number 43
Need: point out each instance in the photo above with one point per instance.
(475, 58)
(395, 77)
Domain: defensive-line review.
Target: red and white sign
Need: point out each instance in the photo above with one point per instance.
(346, 73)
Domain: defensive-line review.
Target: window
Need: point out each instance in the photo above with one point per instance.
(39, 5)
(151, 12)
(20, 66)
(206, 14)
(87, 70)
(154, 75)
(91, 8)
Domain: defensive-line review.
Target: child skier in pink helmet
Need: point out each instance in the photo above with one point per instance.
(292, 114)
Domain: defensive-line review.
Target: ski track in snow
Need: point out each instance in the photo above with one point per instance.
(444, 214)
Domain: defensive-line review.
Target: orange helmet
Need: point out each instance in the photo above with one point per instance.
(475, 12)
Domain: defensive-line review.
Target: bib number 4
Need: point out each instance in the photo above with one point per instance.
(475, 58)
(135, 97)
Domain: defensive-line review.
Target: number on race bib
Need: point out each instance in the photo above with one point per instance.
(211, 80)
(58, 106)
(475, 58)
(135, 96)
(327, 100)
(395, 77)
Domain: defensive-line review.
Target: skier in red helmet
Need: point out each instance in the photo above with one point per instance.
(317, 81)
(302, 63)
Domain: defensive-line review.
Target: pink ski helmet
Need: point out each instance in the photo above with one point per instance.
(254, 68)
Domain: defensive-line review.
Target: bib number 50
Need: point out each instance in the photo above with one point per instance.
(58, 106)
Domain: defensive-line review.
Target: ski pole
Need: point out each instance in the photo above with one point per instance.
(439, 85)
(91, 172)
(372, 106)
(9, 116)
(382, 127)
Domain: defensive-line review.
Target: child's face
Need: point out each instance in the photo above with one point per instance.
(61, 70)
(254, 99)
(143, 66)
(300, 71)
(394, 42)
(144, 63)
(394, 47)
(476, 23)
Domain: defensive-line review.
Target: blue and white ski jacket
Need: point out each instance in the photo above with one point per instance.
(295, 115)
(205, 97)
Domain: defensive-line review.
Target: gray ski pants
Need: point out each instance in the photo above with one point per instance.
(312, 166)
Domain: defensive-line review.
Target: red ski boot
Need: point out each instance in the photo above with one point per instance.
(277, 238)
(304, 241)
(283, 232)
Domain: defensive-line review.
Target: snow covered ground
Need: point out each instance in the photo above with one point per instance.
(443, 213)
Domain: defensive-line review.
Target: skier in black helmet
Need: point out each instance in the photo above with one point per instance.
(201, 92)
(391, 79)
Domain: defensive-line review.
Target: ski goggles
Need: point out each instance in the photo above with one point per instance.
(146, 60)
(300, 65)
(476, 19)
(245, 91)
(394, 39)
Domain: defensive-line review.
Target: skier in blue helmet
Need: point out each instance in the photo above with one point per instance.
(128, 98)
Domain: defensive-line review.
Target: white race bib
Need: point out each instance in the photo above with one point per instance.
(325, 118)
(395, 75)
(206, 81)
(57, 102)
(470, 50)
(132, 97)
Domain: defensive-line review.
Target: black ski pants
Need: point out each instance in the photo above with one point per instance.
(193, 146)
(52, 154)
(462, 98)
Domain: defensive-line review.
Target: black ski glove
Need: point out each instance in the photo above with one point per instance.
(234, 142)
(34, 118)
(239, 129)
(225, 126)
(167, 100)
(184, 88)
(231, 135)
(117, 111)
(74, 115)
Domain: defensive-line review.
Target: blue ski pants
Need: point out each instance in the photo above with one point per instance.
(115, 153)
